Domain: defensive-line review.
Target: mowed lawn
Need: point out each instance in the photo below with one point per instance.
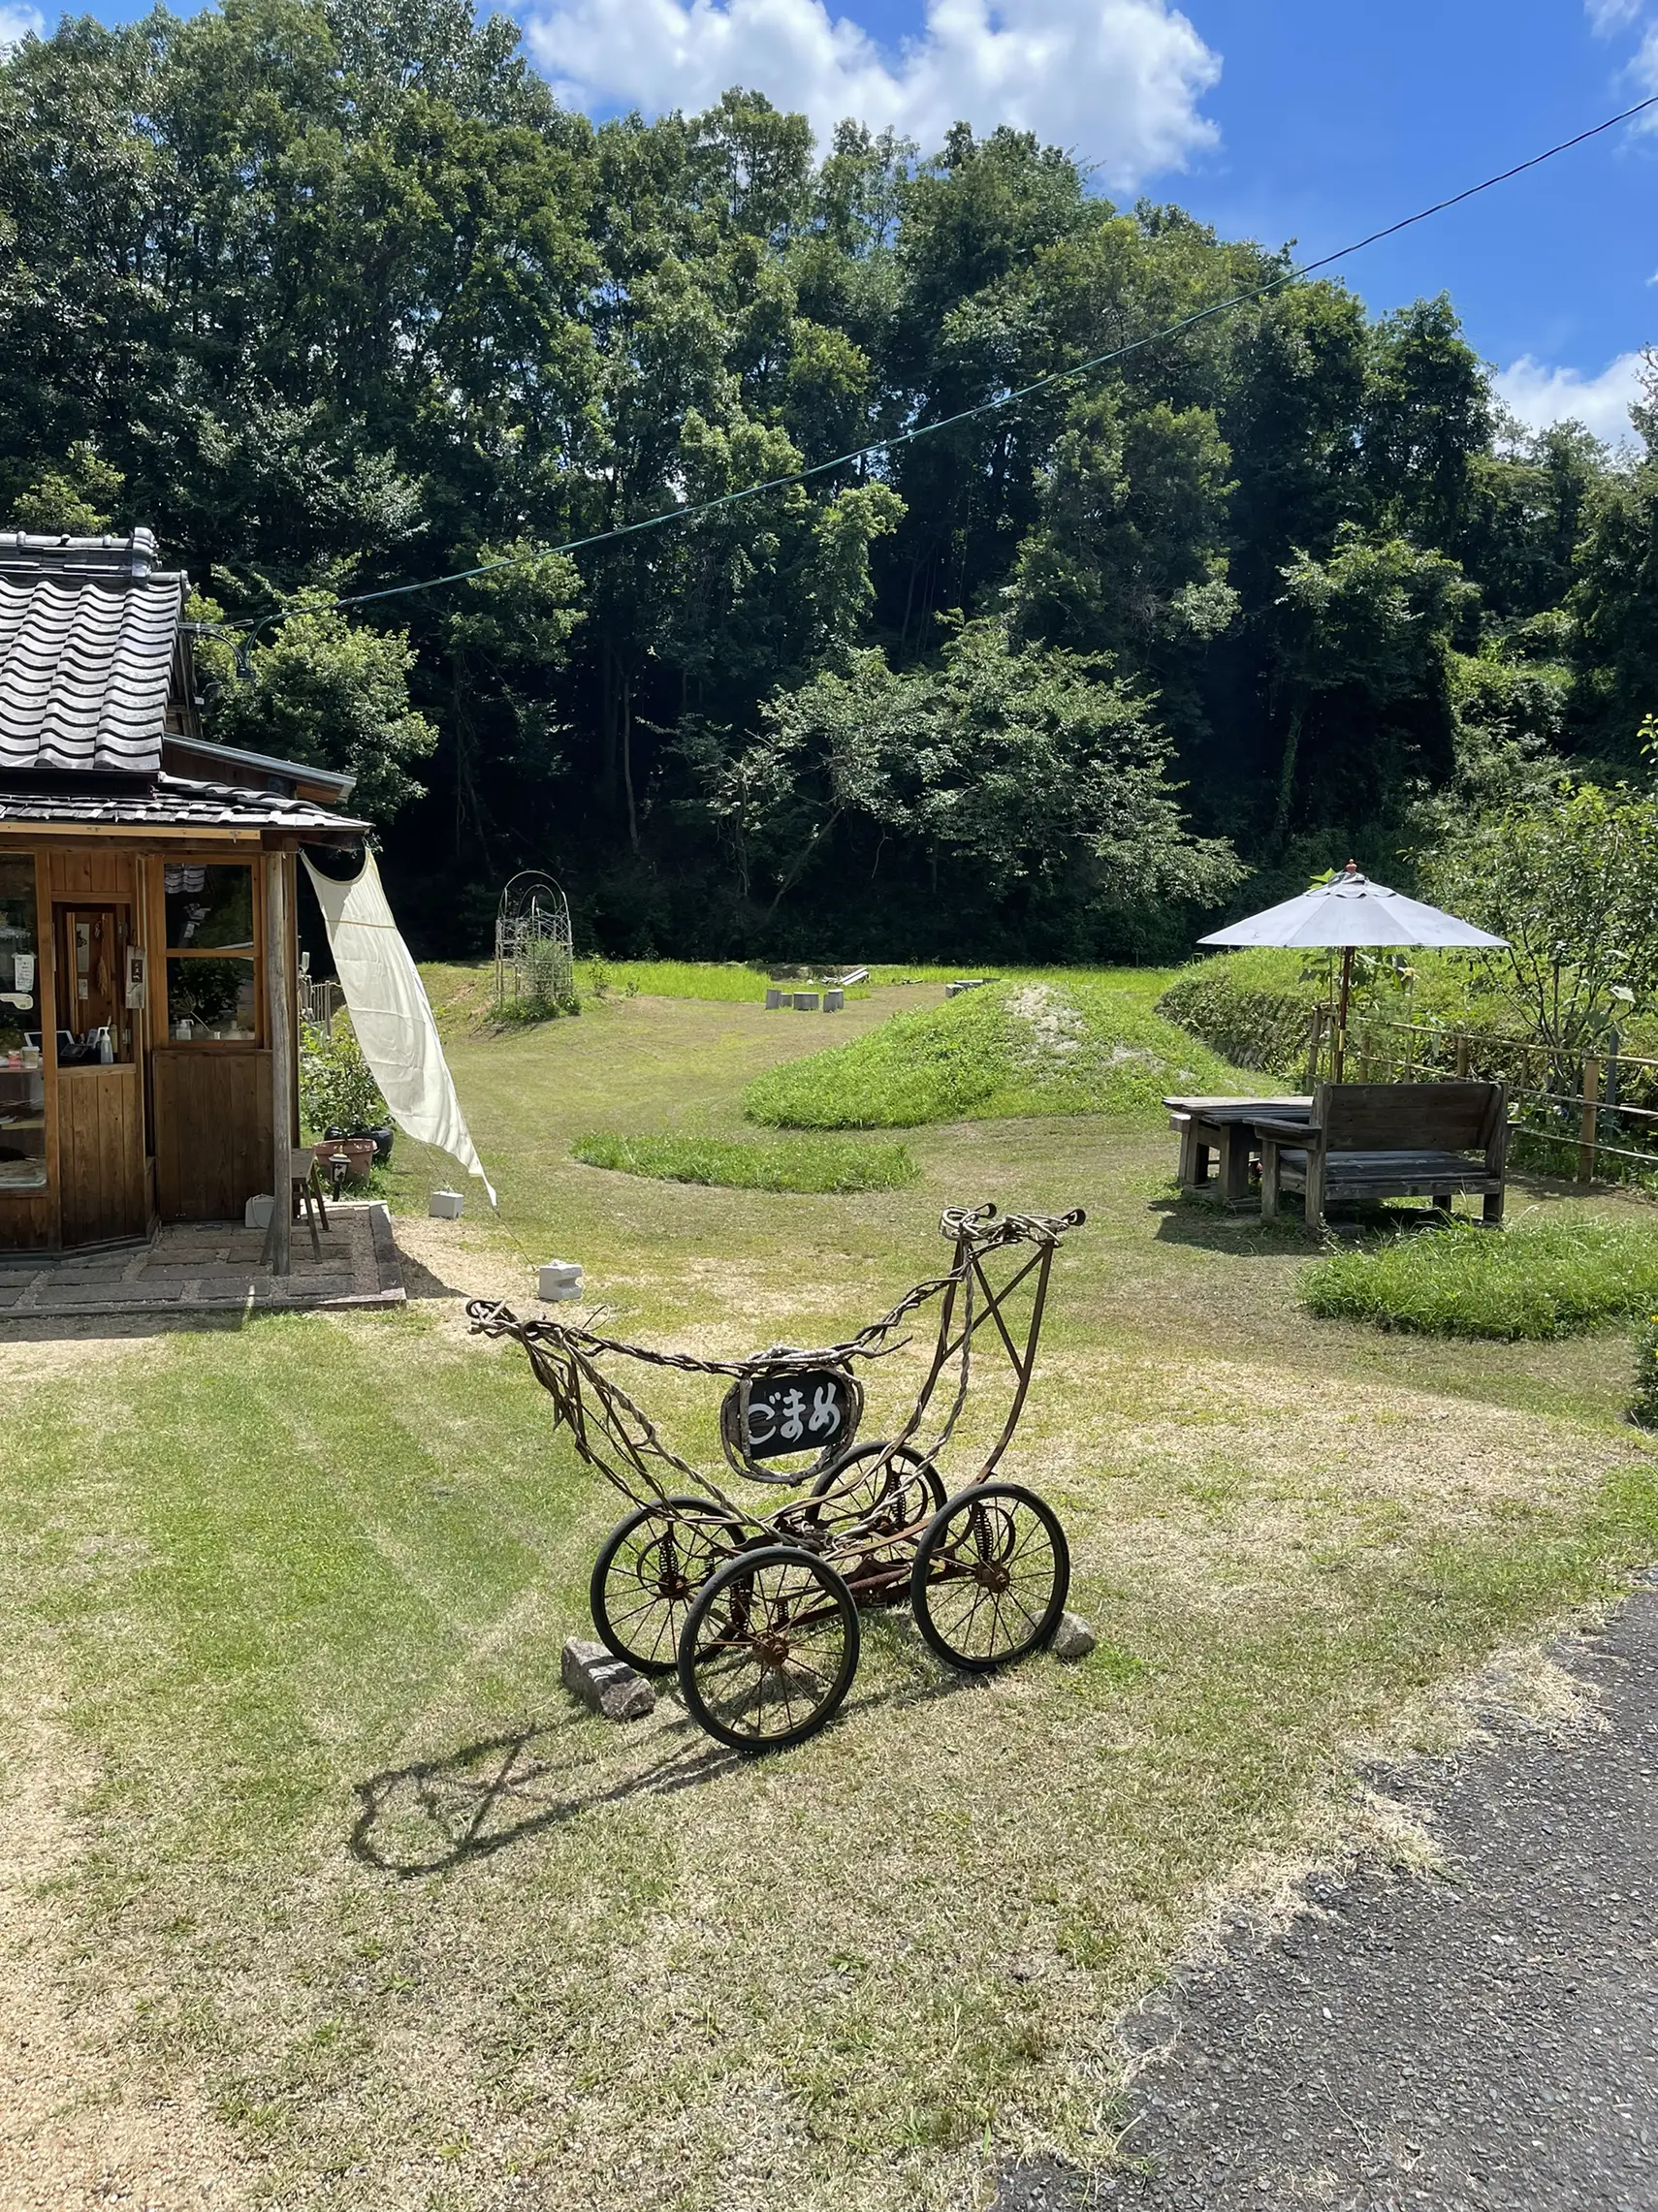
(339, 1867)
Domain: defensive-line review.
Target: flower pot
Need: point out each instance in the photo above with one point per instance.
(359, 1155)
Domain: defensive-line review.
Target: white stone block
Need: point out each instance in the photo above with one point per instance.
(604, 1682)
(445, 1205)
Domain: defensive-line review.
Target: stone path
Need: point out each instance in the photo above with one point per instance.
(1484, 2039)
(212, 1267)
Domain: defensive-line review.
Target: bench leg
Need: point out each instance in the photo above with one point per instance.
(1442, 1203)
(1269, 1180)
(1493, 1208)
(1314, 1198)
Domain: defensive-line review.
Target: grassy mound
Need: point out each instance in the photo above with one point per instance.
(798, 1163)
(1070, 1046)
(1546, 1277)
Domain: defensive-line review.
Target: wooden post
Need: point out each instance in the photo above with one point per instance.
(1314, 1039)
(1338, 1055)
(280, 994)
(1462, 1060)
(1592, 1115)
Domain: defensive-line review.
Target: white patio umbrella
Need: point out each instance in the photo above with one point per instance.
(1349, 911)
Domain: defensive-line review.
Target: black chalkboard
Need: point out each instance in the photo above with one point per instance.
(806, 1411)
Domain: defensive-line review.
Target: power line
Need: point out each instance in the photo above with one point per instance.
(253, 625)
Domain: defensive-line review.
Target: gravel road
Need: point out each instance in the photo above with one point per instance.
(1481, 2041)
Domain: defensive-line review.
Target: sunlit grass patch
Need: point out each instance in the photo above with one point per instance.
(796, 1163)
(1546, 1277)
(1070, 1045)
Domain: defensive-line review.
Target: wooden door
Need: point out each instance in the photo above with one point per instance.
(103, 1189)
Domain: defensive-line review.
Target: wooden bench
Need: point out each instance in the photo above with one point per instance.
(1368, 1141)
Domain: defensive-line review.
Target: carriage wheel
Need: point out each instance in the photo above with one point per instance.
(878, 1501)
(991, 1576)
(768, 1649)
(648, 1572)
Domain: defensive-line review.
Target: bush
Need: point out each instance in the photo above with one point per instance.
(337, 1091)
(1254, 1007)
(1546, 1277)
(799, 1164)
(1643, 1406)
(1068, 1046)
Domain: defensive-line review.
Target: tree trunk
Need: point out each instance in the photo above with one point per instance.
(1287, 776)
(627, 760)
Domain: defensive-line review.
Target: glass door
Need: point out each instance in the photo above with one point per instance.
(93, 1020)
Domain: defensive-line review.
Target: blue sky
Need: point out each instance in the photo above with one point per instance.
(1313, 120)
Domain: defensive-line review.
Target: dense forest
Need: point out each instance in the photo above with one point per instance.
(333, 294)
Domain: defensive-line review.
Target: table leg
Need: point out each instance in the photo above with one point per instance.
(1238, 1142)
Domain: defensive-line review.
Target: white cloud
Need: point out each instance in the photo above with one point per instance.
(1116, 82)
(1609, 15)
(17, 22)
(1541, 395)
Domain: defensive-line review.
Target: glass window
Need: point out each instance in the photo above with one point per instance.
(209, 908)
(211, 1001)
(22, 1087)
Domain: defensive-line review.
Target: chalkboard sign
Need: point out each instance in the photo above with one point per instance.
(779, 1417)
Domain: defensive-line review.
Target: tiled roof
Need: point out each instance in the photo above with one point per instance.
(171, 802)
(87, 629)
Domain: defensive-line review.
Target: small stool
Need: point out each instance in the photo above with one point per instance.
(308, 1191)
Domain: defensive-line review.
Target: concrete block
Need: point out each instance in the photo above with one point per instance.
(774, 998)
(604, 1682)
(833, 1002)
(805, 1001)
(559, 1279)
(445, 1205)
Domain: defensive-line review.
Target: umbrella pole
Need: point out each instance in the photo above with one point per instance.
(1338, 1057)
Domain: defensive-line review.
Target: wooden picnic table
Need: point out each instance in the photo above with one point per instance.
(1226, 1128)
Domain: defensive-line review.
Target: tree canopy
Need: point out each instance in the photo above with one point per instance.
(333, 294)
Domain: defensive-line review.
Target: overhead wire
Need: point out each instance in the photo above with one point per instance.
(897, 438)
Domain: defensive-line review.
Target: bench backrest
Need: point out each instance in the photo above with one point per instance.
(1409, 1117)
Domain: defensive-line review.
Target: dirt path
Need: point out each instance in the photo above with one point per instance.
(1482, 2039)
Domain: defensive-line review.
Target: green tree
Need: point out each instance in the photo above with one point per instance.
(1571, 879)
(335, 695)
(1002, 767)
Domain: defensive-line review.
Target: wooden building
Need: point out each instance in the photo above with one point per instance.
(147, 939)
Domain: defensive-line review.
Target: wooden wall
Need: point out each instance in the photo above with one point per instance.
(104, 1192)
(212, 1132)
(90, 871)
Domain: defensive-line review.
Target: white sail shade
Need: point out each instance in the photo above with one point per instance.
(392, 1015)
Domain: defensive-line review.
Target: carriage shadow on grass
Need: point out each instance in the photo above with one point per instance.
(437, 1813)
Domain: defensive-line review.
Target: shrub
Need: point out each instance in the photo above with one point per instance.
(799, 1164)
(1546, 1277)
(337, 1091)
(1254, 1008)
(1643, 1406)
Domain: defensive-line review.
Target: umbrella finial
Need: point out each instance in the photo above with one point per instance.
(1351, 867)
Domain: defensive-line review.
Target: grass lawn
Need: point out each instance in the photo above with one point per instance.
(328, 1857)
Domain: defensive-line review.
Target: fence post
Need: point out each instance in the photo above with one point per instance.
(1315, 1037)
(1462, 1060)
(1591, 1115)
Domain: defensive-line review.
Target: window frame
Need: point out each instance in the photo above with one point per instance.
(165, 954)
